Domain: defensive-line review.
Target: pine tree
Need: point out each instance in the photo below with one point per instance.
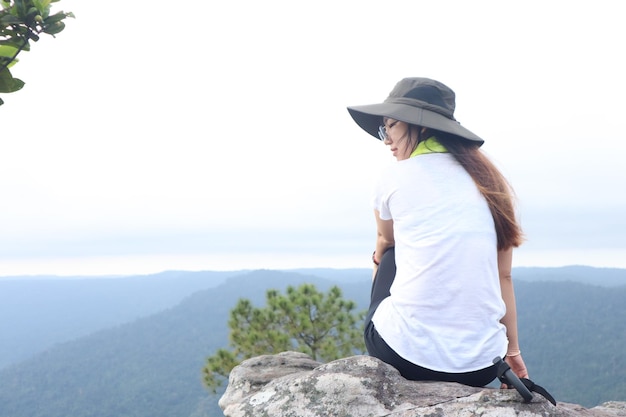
(322, 325)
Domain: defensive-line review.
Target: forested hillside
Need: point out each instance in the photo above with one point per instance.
(151, 367)
(39, 312)
(572, 338)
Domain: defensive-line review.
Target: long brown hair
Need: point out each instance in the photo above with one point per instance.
(491, 184)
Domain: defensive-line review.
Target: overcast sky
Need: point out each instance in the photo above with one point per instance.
(214, 135)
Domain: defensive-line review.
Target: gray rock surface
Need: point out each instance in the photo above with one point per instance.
(292, 384)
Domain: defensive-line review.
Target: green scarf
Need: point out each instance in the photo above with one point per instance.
(430, 145)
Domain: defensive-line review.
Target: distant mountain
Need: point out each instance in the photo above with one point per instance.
(151, 367)
(604, 277)
(572, 338)
(39, 312)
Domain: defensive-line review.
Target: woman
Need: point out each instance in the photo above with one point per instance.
(442, 305)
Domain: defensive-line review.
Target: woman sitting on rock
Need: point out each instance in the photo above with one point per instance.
(442, 305)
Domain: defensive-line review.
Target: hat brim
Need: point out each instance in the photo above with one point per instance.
(369, 117)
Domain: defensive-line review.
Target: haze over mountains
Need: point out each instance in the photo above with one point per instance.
(38, 312)
(136, 345)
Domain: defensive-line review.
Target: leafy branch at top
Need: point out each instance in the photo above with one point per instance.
(23, 21)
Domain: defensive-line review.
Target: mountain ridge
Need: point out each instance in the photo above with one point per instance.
(41, 311)
(154, 362)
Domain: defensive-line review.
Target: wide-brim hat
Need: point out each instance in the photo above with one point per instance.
(417, 101)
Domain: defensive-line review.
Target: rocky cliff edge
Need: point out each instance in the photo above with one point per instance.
(291, 384)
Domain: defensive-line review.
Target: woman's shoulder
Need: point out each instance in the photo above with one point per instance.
(427, 162)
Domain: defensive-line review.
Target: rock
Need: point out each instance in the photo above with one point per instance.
(253, 374)
(292, 384)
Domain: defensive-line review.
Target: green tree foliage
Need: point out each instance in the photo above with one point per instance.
(322, 325)
(22, 21)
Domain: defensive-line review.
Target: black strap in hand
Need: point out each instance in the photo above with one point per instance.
(523, 385)
(538, 389)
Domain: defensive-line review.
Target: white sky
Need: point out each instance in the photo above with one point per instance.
(214, 135)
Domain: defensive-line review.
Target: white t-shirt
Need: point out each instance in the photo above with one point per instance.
(445, 305)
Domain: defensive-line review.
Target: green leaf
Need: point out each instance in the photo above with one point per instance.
(8, 84)
(7, 51)
(57, 17)
(32, 11)
(16, 43)
(54, 28)
(42, 5)
(9, 19)
(7, 62)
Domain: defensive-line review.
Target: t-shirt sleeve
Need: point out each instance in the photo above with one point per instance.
(380, 199)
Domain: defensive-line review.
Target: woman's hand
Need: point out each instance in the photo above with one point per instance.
(517, 366)
(374, 272)
(384, 239)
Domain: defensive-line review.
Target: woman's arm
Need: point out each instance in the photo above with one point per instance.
(514, 357)
(384, 238)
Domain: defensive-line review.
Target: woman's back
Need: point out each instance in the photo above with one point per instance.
(446, 259)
